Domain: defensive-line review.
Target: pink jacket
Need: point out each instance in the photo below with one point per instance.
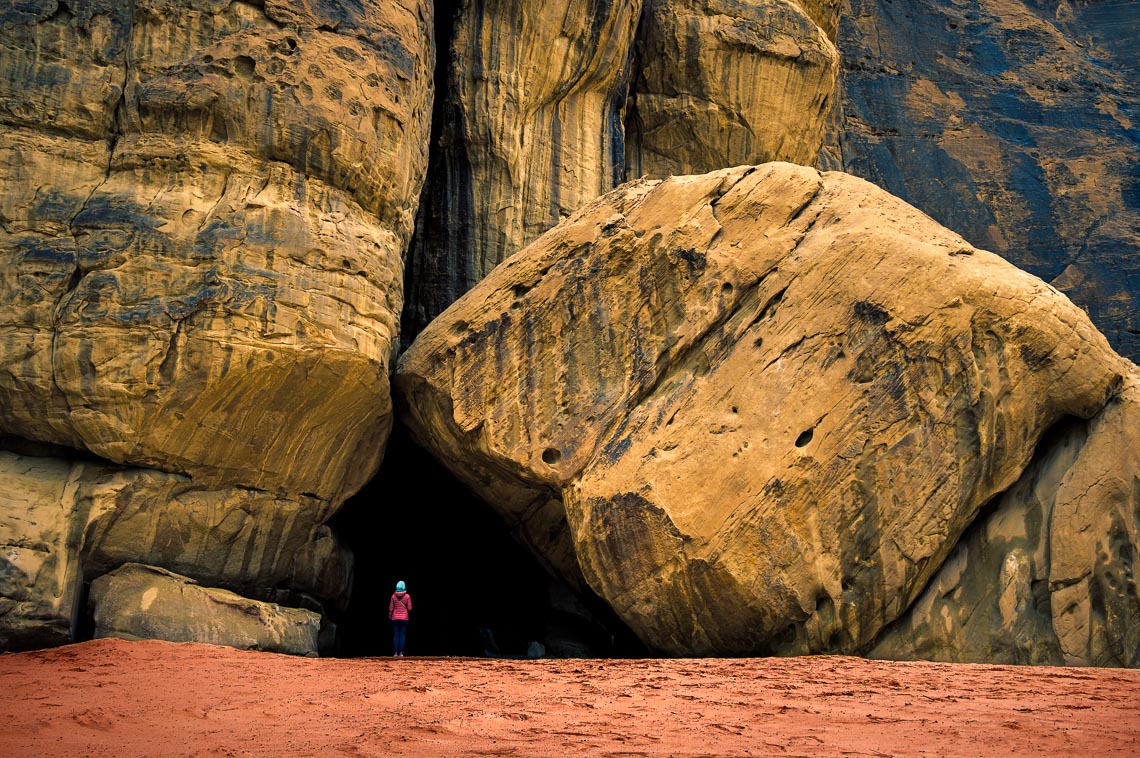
(399, 606)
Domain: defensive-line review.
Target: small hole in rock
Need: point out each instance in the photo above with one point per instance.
(759, 341)
(805, 437)
(735, 409)
(244, 65)
(551, 455)
(726, 288)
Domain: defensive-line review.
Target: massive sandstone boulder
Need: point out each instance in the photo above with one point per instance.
(753, 410)
(1048, 575)
(1013, 122)
(143, 602)
(204, 208)
(721, 83)
(531, 129)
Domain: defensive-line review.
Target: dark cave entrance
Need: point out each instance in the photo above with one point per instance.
(475, 591)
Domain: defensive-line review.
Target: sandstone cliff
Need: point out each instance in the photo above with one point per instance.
(531, 129)
(721, 84)
(204, 209)
(1012, 122)
(756, 407)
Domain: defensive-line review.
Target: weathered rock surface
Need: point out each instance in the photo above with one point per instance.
(721, 83)
(532, 130)
(143, 602)
(63, 524)
(204, 211)
(1047, 577)
(1013, 122)
(756, 407)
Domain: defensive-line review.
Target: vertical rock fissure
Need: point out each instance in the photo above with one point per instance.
(423, 274)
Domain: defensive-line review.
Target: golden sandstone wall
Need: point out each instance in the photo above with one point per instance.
(205, 208)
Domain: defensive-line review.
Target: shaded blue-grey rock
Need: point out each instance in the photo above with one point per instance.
(1013, 123)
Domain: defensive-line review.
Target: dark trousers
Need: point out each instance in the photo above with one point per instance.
(399, 636)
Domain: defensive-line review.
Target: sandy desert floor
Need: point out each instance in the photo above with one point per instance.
(110, 697)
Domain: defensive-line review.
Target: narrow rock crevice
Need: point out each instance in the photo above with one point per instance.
(422, 273)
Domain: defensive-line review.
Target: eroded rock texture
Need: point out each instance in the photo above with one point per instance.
(203, 209)
(531, 130)
(756, 407)
(1047, 577)
(721, 83)
(1013, 123)
(196, 277)
(66, 523)
(143, 602)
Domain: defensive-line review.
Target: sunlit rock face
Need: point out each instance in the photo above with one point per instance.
(204, 209)
(754, 410)
(531, 130)
(1013, 123)
(203, 231)
(721, 83)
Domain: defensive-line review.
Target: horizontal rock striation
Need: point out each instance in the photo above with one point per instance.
(63, 524)
(202, 253)
(755, 409)
(203, 213)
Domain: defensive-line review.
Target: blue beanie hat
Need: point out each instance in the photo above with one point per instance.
(400, 586)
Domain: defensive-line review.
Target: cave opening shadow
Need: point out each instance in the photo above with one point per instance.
(475, 591)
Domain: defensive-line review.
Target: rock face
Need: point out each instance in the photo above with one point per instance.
(202, 244)
(204, 209)
(532, 129)
(143, 602)
(756, 407)
(1012, 122)
(64, 524)
(721, 83)
(1048, 576)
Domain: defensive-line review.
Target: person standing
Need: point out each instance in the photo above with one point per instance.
(399, 610)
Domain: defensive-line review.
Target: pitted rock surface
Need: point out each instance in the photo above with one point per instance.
(756, 408)
(203, 212)
(205, 209)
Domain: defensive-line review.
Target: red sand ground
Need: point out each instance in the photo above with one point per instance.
(110, 697)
